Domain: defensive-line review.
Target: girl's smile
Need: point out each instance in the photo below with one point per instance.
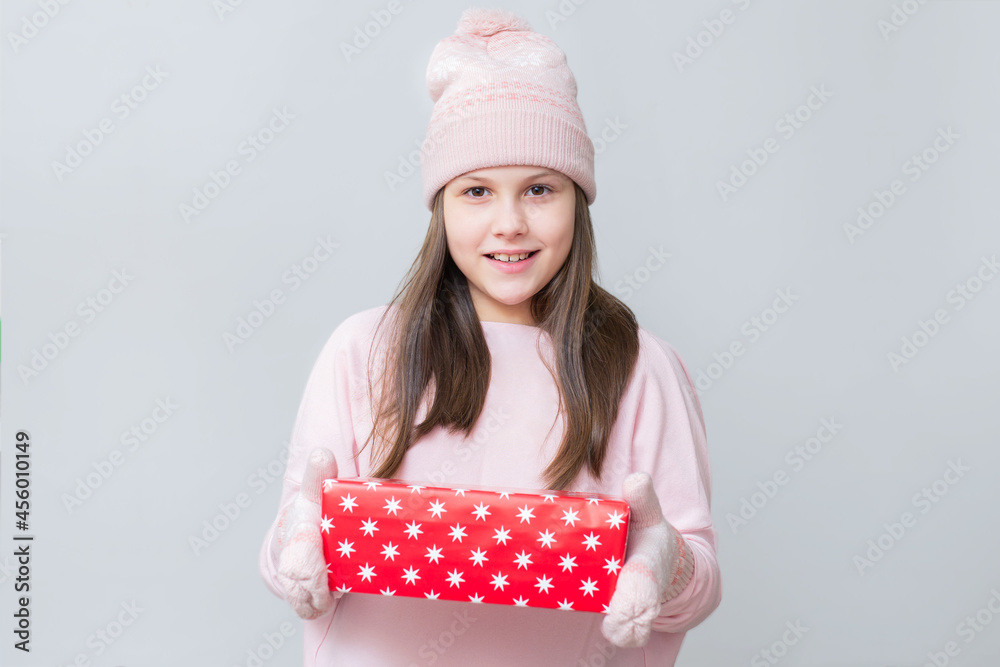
(509, 262)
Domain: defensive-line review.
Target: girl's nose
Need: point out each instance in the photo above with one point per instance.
(512, 217)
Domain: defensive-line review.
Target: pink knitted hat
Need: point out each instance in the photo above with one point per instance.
(503, 95)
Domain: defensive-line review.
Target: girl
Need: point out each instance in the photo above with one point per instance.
(509, 367)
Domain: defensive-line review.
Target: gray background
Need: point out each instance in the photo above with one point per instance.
(682, 129)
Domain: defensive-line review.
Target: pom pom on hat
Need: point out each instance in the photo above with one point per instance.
(486, 22)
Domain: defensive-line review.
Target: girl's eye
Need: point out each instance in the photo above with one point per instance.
(478, 192)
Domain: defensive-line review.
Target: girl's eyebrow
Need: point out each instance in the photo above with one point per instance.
(486, 179)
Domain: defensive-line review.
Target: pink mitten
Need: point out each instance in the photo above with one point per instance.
(658, 567)
(299, 549)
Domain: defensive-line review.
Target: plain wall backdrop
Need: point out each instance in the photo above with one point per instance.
(821, 176)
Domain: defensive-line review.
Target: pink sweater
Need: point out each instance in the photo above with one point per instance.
(660, 429)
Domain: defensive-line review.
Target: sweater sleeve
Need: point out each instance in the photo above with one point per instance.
(324, 419)
(669, 442)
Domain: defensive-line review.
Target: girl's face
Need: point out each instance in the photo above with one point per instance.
(512, 210)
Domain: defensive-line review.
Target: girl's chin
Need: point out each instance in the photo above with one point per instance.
(506, 301)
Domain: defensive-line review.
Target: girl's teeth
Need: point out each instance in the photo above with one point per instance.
(507, 258)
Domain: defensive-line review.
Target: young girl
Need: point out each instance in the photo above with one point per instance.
(509, 367)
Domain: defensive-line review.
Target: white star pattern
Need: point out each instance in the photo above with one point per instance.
(568, 562)
(391, 506)
(346, 548)
(437, 507)
(570, 555)
(413, 530)
(348, 503)
(525, 59)
(482, 511)
(523, 559)
(443, 68)
(546, 538)
(499, 581)
(616, 519)
(544, 584)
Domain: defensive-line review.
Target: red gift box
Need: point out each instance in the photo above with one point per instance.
(560, 550)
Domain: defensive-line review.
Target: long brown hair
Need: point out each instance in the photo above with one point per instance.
(440, 340)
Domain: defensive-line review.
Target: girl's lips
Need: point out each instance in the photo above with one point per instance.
(513, 267)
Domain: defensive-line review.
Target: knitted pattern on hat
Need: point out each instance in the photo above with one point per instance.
(503, 95)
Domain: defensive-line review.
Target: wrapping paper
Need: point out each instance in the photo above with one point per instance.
(559, 550)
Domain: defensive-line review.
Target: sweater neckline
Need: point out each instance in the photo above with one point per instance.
(510, 324)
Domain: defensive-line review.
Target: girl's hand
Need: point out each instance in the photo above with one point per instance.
(657, 568)
(301, 566)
